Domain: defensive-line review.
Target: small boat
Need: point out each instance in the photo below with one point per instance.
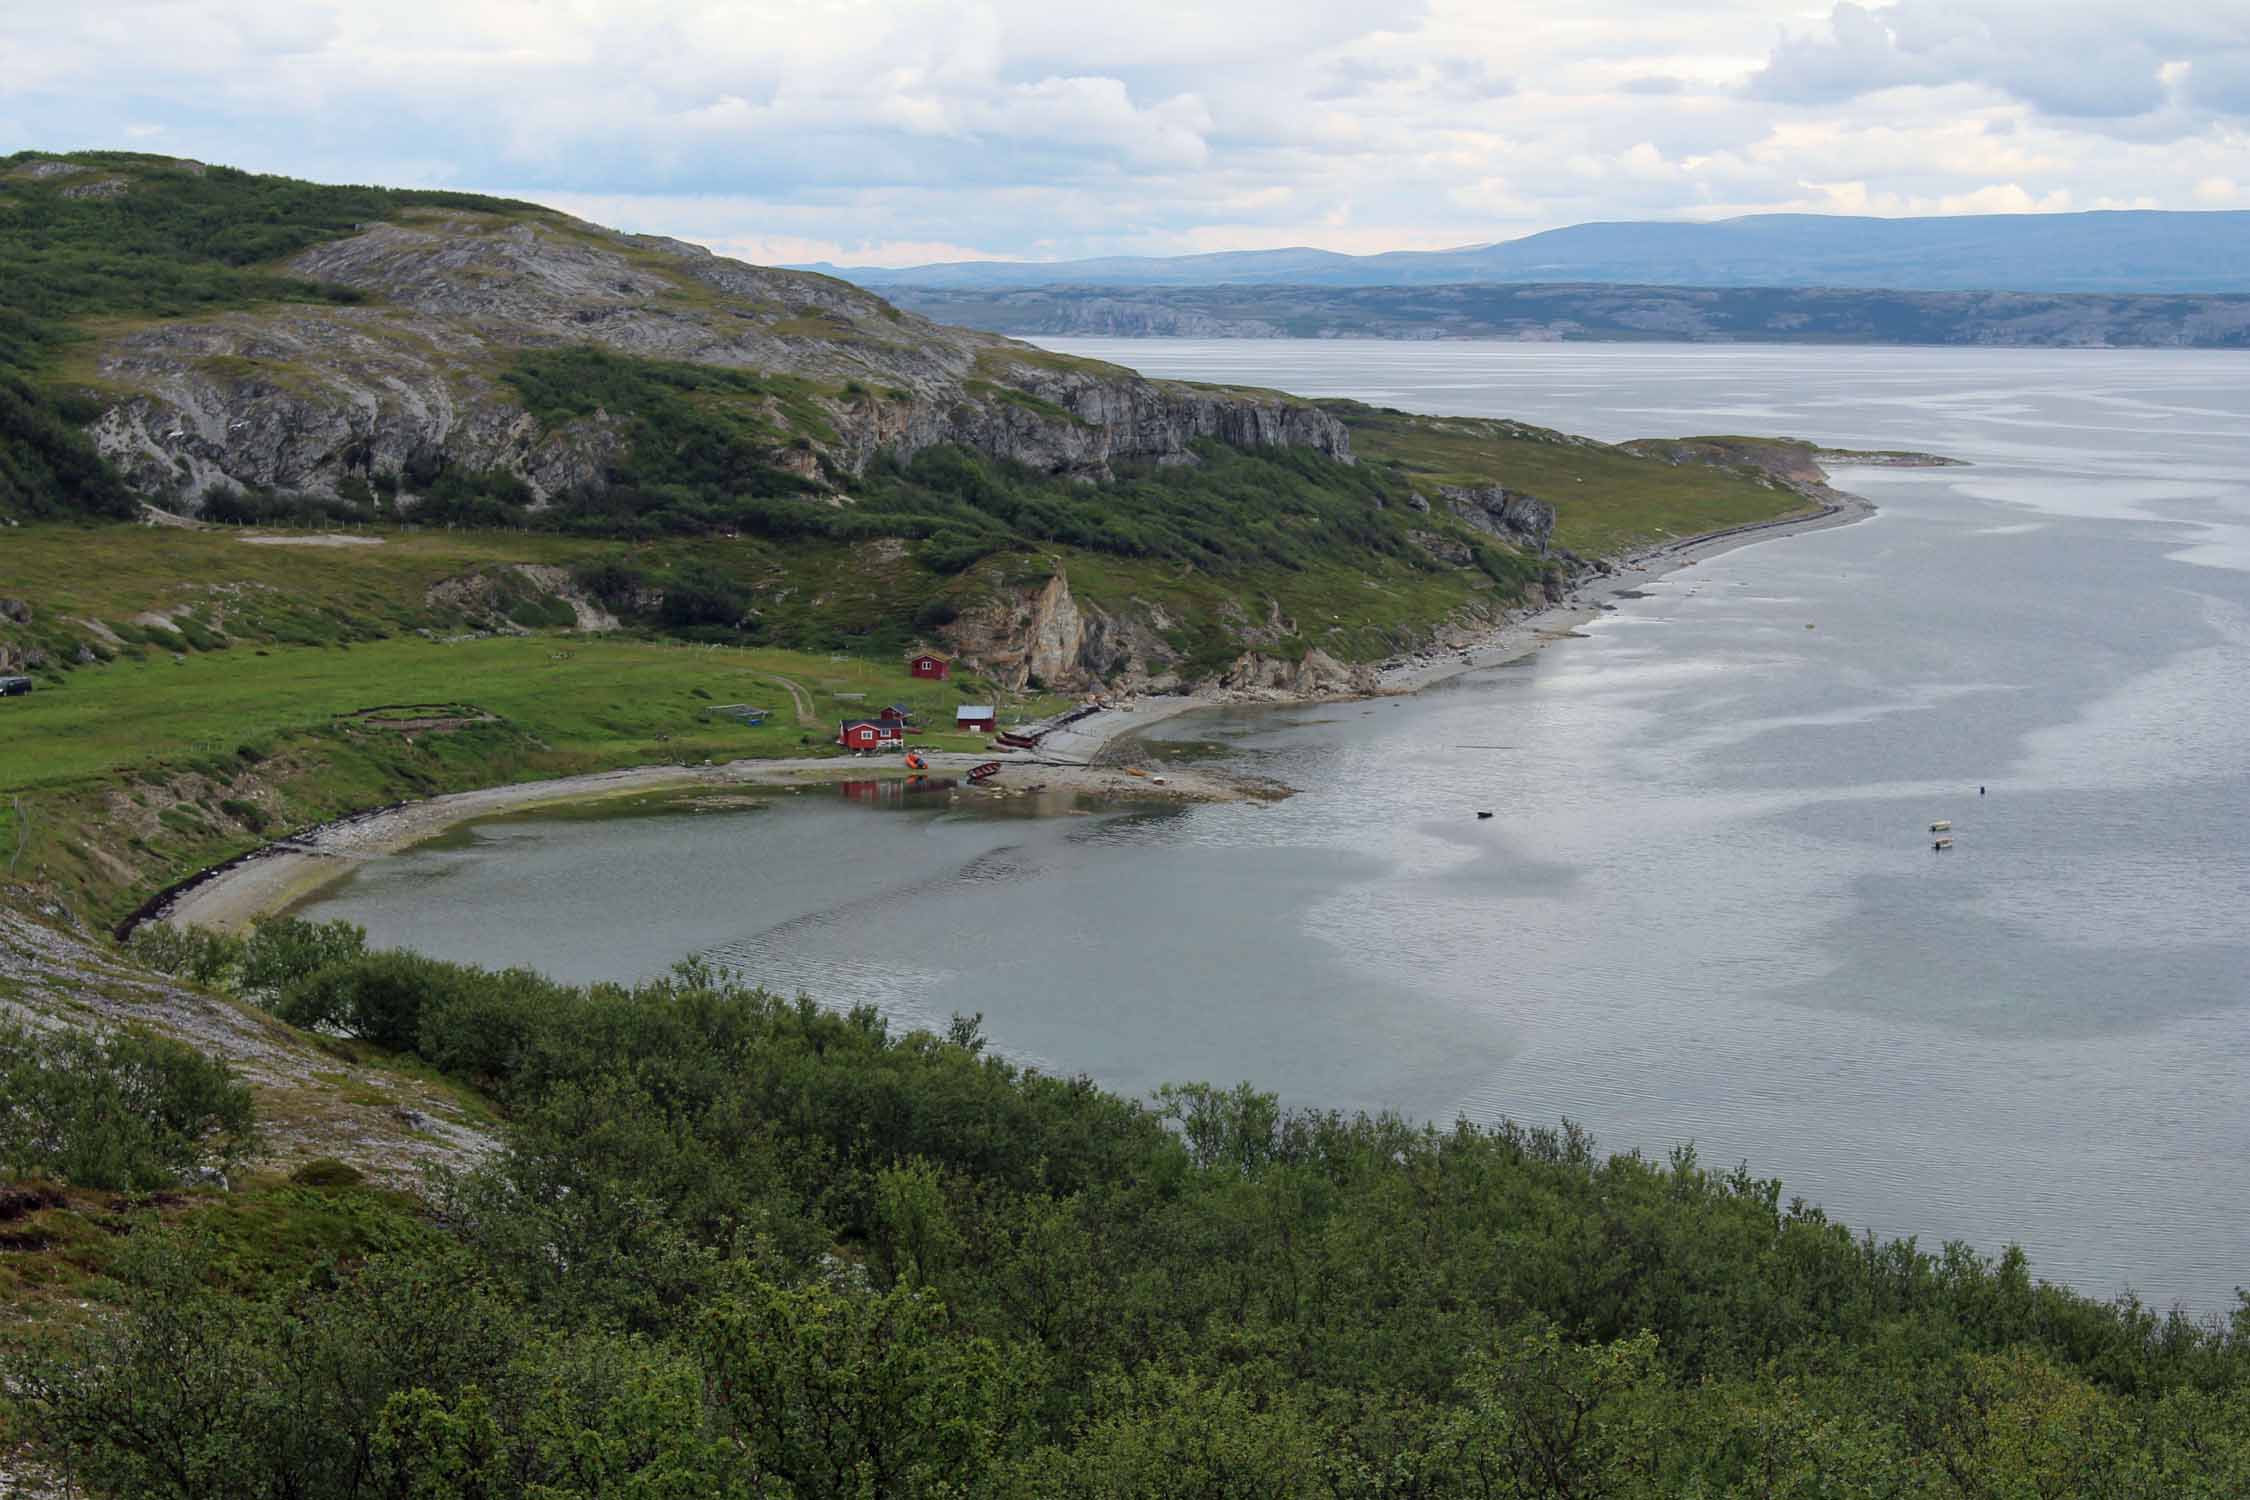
(1942, 825)
(985, 772)
(1941, 843)
(1484, 815)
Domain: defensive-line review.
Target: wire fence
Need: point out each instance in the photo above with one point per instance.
(23, 835)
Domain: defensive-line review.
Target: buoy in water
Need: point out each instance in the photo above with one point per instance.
(1484, 815)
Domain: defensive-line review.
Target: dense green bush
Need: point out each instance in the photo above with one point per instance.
(116, 1109)
(231, 505)
(744, 1246)
(380, 998)
(277, 952)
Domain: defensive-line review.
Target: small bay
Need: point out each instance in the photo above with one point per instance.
(1706, 907)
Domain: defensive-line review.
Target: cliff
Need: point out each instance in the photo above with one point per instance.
(735, 453)
(400, 366)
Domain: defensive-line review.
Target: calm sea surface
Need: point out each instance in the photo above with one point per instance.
(1707, 908)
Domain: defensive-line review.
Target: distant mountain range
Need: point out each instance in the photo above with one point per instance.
(2138, 251)
(1582, 311)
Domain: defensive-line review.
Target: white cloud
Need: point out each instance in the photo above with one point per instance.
(2103, 61)
(896, 130)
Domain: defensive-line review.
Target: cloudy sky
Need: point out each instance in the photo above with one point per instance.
(893, 132)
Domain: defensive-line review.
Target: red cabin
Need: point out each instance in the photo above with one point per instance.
(936, 668)
(974, 718)
(897, 713)
(870, 734)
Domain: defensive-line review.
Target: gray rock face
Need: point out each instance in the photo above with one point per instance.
(1504, 513)
(299, 398)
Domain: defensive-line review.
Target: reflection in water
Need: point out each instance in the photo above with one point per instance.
(1705, 907)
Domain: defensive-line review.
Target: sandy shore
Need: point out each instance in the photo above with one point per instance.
(281, 874)
(271, 879)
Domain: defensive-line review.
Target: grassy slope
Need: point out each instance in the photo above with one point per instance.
(1606, 498)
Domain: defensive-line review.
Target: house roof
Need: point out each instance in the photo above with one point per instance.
(973, 711)
(881, 726)
(928, 656)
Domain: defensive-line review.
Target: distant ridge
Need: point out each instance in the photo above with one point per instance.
(2121, 251)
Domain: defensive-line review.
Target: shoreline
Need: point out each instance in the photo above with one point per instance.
(1515, 639)
(274, 877)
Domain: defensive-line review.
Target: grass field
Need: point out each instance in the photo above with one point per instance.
(585, 699)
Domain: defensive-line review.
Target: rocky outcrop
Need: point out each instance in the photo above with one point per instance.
(1514, 517)
(303, 398)
(1314, 675)
(1042, 634)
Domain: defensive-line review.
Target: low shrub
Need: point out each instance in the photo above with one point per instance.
(327, 1172)
(378, 997)
(123, 1110)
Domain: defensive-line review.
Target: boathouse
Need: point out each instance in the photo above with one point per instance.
(871, 734)
(936, 668)
(975, 718)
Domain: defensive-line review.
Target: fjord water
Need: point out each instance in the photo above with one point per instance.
(1706, 908)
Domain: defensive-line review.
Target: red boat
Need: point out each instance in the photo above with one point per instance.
(985, 772)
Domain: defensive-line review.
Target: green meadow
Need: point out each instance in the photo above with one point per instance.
(587, 701)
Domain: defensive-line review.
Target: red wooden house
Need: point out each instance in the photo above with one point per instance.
(936, 668)
(871, 734)
(973, 718)
(897, 712)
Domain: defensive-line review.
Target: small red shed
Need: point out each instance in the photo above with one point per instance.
(974, 718)
(870, 734)
(936, 668)
(896, 712)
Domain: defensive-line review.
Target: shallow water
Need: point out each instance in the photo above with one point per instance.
(1706, 907)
